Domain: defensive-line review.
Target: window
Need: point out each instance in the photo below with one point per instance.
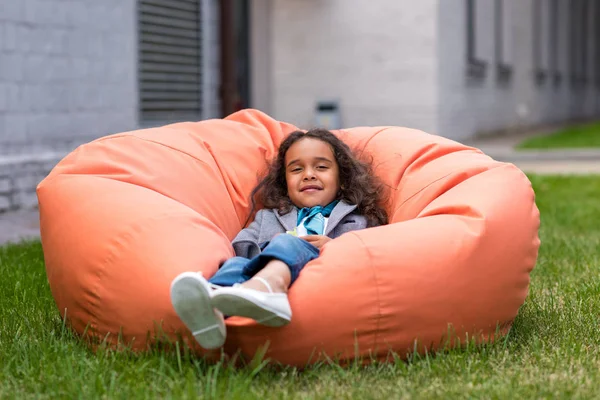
(578, 41)
(583, 56)
(170, 87)
(476, 67)
(597, 42)
(573, 51)
(541, 30)
(503, 40)
(554, 45)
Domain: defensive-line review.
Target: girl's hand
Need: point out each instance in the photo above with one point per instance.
(316, 240)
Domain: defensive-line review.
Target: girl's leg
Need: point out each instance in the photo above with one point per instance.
(276, 273)
(231, 272)
(280, 263)
(273, 271)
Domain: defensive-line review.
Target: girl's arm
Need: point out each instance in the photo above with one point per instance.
(246, 243)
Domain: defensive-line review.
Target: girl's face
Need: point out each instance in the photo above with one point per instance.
(311, 173)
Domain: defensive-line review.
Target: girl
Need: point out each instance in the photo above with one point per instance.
(315, 191)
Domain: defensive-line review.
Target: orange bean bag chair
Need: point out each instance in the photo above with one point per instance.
(123, 215)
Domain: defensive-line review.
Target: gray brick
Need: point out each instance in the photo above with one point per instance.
(6, 185)
(11, 67)
(4, 137)
(39, 126)
(28, 182)
(15, 103)
(97, 71)
(42, 11)
(77, 14)
(25, 199)
(11, 10)
(25, 38)
(25, 168)
(80, 43)
(5, 203)
(59, 41)
(9, 36)
(49, 166)
(28, 97)
(119, 70)
(3, 97)
(58, 69)
(79, 68)
(15, 125)
(36, 68)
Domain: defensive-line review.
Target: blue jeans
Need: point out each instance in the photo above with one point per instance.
(293, 251)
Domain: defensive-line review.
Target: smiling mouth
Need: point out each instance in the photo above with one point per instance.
(310, 189)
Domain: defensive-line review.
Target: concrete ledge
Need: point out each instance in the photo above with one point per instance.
(19, 177)
(16, 226)
(564, 167)
(8, 160)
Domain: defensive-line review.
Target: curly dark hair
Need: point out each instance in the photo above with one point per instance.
(358, 184)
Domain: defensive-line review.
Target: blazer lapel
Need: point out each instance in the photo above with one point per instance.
(288, 221)
(339, 212)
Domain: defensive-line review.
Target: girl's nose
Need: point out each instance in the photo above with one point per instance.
(309, 174)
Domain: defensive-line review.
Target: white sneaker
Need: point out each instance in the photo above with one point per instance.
(270, 309)
(191, 298)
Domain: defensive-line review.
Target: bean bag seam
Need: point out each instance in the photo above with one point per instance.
(164, 145)
(500, 165)
(377, 324)
(210, 151)
(421, 190)
(373, 137)
(51, 178)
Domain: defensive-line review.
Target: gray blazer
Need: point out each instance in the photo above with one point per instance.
(268, 223)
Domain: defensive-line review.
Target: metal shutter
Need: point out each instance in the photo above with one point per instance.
(169, 61)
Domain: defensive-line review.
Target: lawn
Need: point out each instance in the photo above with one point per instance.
(553, 350)
(578, 136)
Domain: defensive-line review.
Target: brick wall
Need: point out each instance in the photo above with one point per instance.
(68, 74)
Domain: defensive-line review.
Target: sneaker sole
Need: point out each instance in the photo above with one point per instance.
(190, 296)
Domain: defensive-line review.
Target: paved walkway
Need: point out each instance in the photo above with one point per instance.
(562, 162)
(24, 224)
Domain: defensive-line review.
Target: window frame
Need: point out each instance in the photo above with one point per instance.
(539, 72)
(476, 67)
(554, 44)
(504, 70)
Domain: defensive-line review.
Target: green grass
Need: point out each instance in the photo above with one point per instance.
(553, 350)
(579, 136)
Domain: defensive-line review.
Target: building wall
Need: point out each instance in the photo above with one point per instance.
(379, 62)
(473, 106)
(68, 73)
